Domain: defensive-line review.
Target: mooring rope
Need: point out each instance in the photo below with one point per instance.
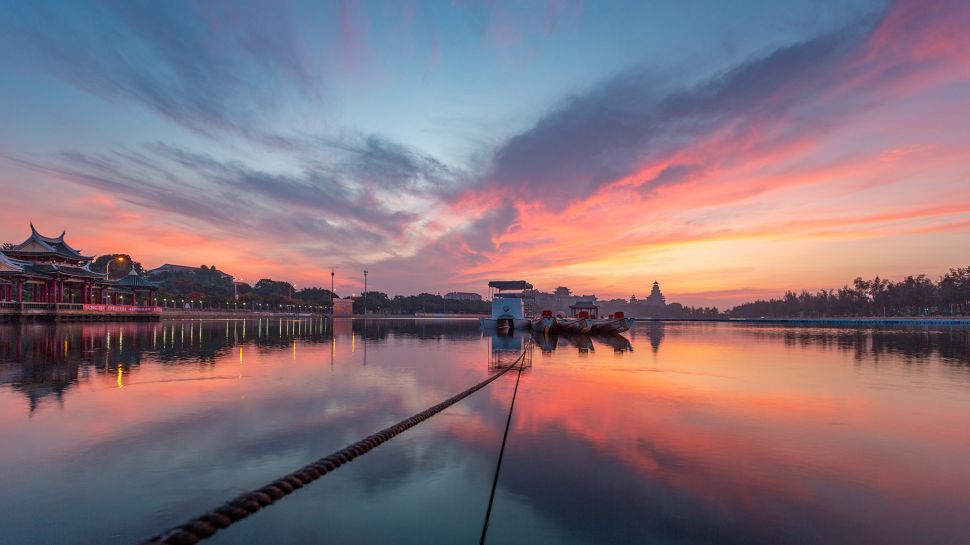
(501, 453)
(247, 503)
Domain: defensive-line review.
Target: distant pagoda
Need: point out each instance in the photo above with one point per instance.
(656, 297)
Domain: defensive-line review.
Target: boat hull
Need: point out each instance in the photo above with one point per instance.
(575, 325)
(615, 325)
(544, 324)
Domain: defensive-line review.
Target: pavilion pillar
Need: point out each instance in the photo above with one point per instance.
(20, 292)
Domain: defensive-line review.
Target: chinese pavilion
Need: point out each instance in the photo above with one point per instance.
(48, 270)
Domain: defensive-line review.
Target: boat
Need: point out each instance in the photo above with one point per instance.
(508, 309)
(615, 323)
(584, 313)
(544, 323)
(579, 325)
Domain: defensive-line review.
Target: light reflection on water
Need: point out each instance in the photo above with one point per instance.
(675, 433)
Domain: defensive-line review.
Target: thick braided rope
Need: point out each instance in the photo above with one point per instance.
(247, 503)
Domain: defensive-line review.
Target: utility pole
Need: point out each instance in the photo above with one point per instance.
(365, 292)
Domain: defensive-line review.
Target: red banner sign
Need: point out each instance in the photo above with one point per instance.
(120, 308)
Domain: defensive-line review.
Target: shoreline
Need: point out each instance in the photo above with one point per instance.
(823, 321)
(221, 315)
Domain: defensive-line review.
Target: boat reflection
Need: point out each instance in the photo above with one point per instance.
(617, 342)
(584, 343)
(507, 345)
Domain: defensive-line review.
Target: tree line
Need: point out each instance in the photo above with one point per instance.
(215, 289)
(912, 296)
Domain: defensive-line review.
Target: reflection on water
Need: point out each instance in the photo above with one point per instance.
(683, 433)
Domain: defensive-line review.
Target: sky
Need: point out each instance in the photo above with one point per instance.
(729, 150)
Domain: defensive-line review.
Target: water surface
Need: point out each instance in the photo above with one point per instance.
(678, 433)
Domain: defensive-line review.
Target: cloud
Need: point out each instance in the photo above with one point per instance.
(327, 207)
(594, 138)
(212, 66)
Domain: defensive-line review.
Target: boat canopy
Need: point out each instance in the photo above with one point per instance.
(510, 285)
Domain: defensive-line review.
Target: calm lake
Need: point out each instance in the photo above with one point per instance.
(685, 433)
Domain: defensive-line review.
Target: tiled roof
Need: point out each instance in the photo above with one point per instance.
(37, 243)
(132, 280)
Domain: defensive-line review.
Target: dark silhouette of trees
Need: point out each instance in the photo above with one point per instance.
(118, 268)
(912, 296)
(206, 284)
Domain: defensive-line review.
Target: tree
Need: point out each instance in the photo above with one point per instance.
(914, 295)
(117, 267)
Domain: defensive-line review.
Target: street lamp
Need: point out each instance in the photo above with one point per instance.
(365, 292)
(107, 266)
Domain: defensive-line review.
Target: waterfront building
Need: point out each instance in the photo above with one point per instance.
(584, 305)
(343, 307)
(462, 296)
(560, 300)
(48, 270)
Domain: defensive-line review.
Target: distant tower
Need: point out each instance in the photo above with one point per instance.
(656, 297)
(633, 299)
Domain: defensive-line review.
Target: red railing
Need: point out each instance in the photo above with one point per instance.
(120, 308)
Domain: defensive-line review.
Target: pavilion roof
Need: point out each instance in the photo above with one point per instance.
(8, 264)
(510, 285)
(38, 244)
(584, 304)
(132, 280)
(47, 269)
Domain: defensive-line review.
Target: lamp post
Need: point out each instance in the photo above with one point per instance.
(365, 292)
(107, 266)
(331, 290)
